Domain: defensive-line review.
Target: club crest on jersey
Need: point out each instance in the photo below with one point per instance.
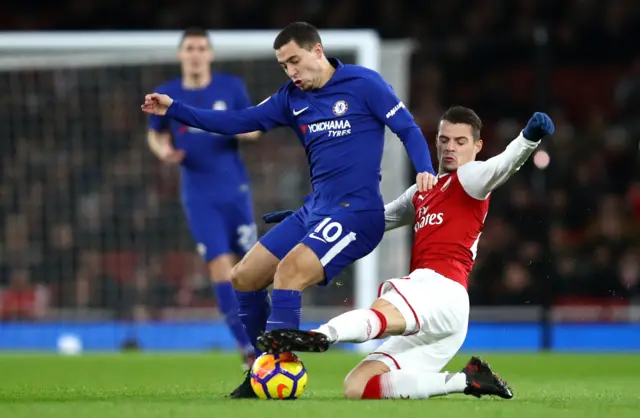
(340, 108)
(219, 105)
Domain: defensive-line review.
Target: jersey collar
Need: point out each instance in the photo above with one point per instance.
(337, 64)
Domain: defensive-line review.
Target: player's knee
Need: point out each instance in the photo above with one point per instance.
(357, 380)
(353, 388)
(235, 277)
(246, 278)
(255, 271)
(240, 279)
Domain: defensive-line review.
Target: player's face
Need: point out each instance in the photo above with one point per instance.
(301, 65)
(456, 146)
(195, 55)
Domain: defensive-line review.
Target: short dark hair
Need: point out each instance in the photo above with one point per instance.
(302, 33)
(196, 32)
(461, 114)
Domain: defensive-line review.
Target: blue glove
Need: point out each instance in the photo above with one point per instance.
(277, 217)
(539, 126)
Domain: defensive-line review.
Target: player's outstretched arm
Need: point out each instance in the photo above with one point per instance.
(243, 101)
(401, 211)
(263, 117)
(391, 111)
(480, 178)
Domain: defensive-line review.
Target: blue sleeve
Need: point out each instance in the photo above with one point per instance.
(269, 114)
(391, 111)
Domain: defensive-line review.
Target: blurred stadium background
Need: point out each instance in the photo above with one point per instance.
(94, 243)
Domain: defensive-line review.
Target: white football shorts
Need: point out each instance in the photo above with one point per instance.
(436, 310)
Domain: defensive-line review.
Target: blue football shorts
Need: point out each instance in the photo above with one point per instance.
(338, 238)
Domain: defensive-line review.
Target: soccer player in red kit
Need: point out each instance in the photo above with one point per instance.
(426, 314)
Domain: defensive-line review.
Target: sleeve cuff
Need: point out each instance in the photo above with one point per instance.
(528, 143)
(171, 111)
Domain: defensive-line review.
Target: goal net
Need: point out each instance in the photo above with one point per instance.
(95, 221)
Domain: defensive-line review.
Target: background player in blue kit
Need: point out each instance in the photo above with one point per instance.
(339, 113)
(215, 184)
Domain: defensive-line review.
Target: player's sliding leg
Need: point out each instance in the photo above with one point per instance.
(356, 326)
(426, 316)
(409, 366)
(436, 313)
(380, 375)
(376, 379)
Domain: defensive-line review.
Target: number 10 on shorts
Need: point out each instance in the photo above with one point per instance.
(327, 231)
(331, 232)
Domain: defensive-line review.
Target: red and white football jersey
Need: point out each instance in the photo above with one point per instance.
(448, 219)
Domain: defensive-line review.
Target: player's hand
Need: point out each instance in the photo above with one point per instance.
(426, 181)
(156, 104)
(276, 217)
(539, 126)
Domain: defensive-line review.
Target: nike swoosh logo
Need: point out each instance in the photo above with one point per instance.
(314, 236)
(297, 112)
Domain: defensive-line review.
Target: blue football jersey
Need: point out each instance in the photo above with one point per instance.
(213, 168)
(341, 127)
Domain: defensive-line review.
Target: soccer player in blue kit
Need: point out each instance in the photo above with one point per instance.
(339, 113)
(215, 185)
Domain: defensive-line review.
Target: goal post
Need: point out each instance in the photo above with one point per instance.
(77, 51)
(44, 49)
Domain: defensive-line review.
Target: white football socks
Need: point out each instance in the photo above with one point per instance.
(355, 326)
(409, 384)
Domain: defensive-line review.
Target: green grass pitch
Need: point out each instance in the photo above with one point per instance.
(185, 386)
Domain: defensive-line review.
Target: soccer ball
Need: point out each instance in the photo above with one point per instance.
(278, 376)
